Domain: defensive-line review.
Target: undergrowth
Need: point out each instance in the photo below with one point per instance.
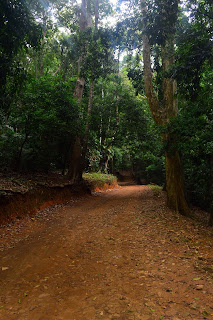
(98, 180)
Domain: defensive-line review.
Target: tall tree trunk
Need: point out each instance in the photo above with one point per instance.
(6, 121)
(44, 18)
(107, 156)
(96, 14)
(75, 168)
(91, 92)
(42, 54)
(18, 164)
(36, 66)
(107, 160)
(162, 112)
(58, 69)
(79, 89)
(174, 184)
(86, 136)
(84, 23)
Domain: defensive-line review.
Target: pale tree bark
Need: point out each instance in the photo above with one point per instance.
(163, 111)
(36, 67)
(86, 136)
(42, 55)
(84, 23)
(42, 45)
(109, 148)
(91, 95)
(75, 165)
(96, 14)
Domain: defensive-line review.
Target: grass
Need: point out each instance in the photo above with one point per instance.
(155, 187)
(99, 180)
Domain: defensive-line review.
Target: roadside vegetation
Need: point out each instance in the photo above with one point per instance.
(100, 181)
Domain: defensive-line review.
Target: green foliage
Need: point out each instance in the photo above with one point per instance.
(18, 28)
(122, 131)
(97, 180)
(95, 48)
(161, 20)
(194, 129)
(194, 49)
(133, 65)
(97, 176)
(42, 121)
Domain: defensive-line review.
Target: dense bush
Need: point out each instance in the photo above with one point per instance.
(40, 127)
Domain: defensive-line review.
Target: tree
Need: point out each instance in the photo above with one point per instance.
(42, 122)
(75, 165)
(164, 107)
(94, 51)
(194, 47)
(18, 28)
(193, 70)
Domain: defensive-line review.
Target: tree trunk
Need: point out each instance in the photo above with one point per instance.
(107, 160)
(79, 89)
(76, 169)
(96, 14)
(174, 184)
(58, 69)
(6, 121)
(74, 172)
(36, 67)
(18, 165)
(84, 23)
(86, 136)
(162, 112)
(42, 54)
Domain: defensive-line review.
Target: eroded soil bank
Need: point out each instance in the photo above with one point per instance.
(119, 255)
(22, 195)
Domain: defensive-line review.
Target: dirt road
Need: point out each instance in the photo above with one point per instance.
(116, 255)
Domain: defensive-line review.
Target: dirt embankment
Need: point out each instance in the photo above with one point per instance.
(22, 195)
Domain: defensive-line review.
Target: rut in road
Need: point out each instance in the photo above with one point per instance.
(116, 255)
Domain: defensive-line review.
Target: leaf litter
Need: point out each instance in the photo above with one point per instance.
(132, 259)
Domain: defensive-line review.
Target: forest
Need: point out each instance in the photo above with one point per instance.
(105, 86)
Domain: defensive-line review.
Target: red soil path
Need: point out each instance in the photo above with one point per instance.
(119, 255)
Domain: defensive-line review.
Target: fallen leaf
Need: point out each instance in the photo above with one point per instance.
(4, 268)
